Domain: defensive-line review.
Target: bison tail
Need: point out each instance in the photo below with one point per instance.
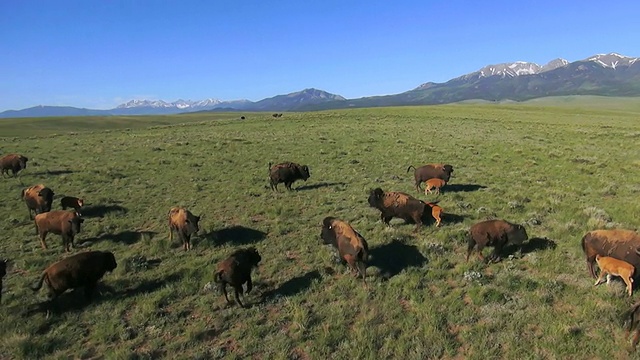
(38, 285)
(411, 166)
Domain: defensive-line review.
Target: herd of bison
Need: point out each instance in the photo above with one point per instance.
(617, 251)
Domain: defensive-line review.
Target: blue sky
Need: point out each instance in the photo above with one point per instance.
(98, 54)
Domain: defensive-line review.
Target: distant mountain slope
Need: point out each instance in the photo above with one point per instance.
(602, 74)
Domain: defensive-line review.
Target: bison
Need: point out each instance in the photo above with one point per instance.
(13, 162)
(496, 233)
(398, 204)
(59, 222)
(431, 171)
(287, 173)
(352, 247)
(3, 272)
(184, 223)
(72, 202)
(38, 198)
(632, 323)
(617, 243)
(80, 270)
(236, 270)
(433, 183)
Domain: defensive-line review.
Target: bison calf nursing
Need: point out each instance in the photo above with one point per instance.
(59, 222)
(496, 233)
(398, 204)
(287, 173)
(13, 162)
(352, 247)
(431, 171)
(38, 198)
(184, 223)
(79, 270)
(619, 244)
(236, 270)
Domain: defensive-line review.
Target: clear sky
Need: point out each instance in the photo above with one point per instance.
(100, 53)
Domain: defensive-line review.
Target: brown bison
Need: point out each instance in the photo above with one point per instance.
(184, 223)
(352, 247)
(72, 202)
(431, 171)
(617, 243)
(80, 270)
(38, 198)
(13, 162)
(3, 272)
(59, 222)
(398, 204)
(434, 183)
(496, 233)
(632, 323)
(287, 173)
(236, 270)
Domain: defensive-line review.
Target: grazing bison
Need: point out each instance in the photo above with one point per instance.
(72, 202)
(431, 171)
(13, 162)
(352, 247)
(496, 233)
(617, 243)
(398, 204)
(274, 115)
(80, 270)
(59, 222)
(3, 272)
(287, 173)
(184, 223)
(38, 198)
(236, 270)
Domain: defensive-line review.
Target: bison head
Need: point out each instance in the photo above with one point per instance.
(304, 172)
(109, 261)
(375, 198)
(518, 235)
(191, 224)
(253, 257)
(47, 195)
(75, 222)
(23, 162)
(327, 234)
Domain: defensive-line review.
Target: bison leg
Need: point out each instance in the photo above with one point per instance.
(237, 292)
(88, 291)
(629, 282)
(288, 185)
(43, 237)
(600, 279)
(590, 267)
(636, 337)
(223, 287)
(249, 285)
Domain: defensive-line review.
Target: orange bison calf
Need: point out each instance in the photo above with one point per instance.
(38, 198)
(13, 162)
(236, 270)
(80, 270)
(431, 171)
(398, 204)
(352, 247)
(184, 223)
(434, 183)
(617, 243)
(59, 222)
(287, 173)
(496, 233)
(72, 202)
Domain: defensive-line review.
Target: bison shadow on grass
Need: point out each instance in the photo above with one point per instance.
(52, 172)
(319, 185)
(102, 210)
(403, 257)
(234, 235)
(292, 286)
(462, 188)
(532, 245)
(126, 237)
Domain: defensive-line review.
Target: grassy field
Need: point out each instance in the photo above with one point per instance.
(560, 171)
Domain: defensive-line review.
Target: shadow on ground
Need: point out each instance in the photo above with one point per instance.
(462, 188)
(293, 286)
(102, 210)
(235, 235)
(404, 257)
(319, 185)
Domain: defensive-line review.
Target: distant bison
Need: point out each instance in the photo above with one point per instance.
(617, 243)
(236, 270)
(72, 202)
(242, 117)
(398, 204)
(495, 233)
(431, 171)
(184, 223)
(80, 270)
(59, 222)
(352, 247)
(287, 173)
(274, 115)
(13, 162)
(3, 272)
(38, 198)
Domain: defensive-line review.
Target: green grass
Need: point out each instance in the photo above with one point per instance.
(561, 171)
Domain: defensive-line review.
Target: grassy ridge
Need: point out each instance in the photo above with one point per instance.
(560, 171)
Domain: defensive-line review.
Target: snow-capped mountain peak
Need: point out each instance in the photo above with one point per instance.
(612, 60)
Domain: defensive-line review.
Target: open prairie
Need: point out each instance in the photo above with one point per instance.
(559, 171)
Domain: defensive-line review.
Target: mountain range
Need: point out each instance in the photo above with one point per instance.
(602, 74)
